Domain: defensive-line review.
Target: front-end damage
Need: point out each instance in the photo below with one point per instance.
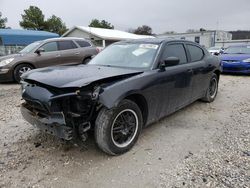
(66, 113)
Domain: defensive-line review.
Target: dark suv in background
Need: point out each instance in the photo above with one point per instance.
(49, 52)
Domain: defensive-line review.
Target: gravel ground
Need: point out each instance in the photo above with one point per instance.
(203, 145)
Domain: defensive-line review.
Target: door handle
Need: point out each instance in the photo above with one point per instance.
(58, 55)
(77, 53)
(190, 70)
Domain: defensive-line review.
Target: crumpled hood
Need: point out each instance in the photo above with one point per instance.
(234, 57)
(75, 76)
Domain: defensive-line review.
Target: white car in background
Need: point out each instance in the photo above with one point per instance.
(216, 50)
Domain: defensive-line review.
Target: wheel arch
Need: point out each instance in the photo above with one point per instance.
(87, 57)
(217, 72)
(27, 63)
(21, 63)
(113, 101)
(142, 104)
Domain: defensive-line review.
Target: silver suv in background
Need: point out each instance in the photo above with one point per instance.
(49, 52)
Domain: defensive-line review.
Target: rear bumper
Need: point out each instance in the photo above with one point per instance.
(6, 75)
(54, 124)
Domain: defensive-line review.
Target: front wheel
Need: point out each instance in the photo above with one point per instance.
(118, 129)
(20, 70)
(212, 90)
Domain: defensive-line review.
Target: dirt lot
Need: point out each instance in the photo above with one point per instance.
(203, 145)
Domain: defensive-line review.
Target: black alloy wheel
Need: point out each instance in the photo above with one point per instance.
(117, 129)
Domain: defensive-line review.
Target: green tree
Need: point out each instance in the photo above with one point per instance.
(33, 18)
(54, 24)
(143, 30)
(2, 21)
(101, 24)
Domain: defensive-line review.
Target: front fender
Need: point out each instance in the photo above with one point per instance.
(111, 98)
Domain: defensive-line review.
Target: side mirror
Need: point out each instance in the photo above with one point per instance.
(170, 61)
(38, 51)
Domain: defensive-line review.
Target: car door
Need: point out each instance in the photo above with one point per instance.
(70, 53)
(175, 80)
(86, 49)
(199, 67)
(48, 56)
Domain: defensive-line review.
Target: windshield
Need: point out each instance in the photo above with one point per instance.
(128, 55)
(30, 47)
(238, 50)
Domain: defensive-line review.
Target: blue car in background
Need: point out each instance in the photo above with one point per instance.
(236, 59)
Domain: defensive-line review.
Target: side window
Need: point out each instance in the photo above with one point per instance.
(66, 45)
(50, 47)
(175, 50)
(83, 43)
(196, 53)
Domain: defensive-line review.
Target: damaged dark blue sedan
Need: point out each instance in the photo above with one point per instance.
(126, 87)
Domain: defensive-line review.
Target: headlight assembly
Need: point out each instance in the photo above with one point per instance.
(6, 62)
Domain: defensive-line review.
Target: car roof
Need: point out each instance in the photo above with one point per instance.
(63, 39)
(155, 41)
(147, 40)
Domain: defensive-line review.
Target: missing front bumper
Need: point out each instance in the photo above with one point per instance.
(54, 124)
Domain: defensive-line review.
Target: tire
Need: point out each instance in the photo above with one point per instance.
(20, 69)
(85, 61)
(212, 89)
(108, 132)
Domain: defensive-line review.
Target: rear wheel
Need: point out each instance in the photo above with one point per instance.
(212, 89)
(85, 61)
(118, 129)
(20, 70)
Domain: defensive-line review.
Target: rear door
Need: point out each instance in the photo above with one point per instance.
(70, 53)
(200, 75)
(87, 50)
(48, 57)
(175, 81)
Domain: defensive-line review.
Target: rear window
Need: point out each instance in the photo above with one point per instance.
(83, 43)
(66, 45)
(196, 53)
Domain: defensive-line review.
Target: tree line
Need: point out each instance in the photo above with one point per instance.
(33, 18)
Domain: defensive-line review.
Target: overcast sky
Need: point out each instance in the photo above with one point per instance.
(161, 15)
